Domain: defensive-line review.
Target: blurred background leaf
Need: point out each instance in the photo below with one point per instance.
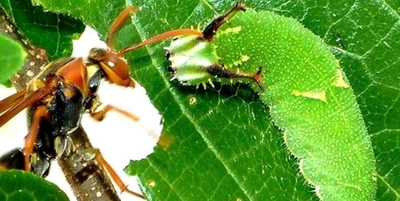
(19, 185)
(12, 57)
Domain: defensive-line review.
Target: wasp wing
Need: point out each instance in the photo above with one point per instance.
(14, 104)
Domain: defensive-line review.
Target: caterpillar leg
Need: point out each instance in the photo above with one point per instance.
(219, 71)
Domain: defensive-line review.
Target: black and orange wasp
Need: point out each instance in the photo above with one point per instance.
(58, 96)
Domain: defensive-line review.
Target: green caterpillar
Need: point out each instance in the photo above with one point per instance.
(301, 82)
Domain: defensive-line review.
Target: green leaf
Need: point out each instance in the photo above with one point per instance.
(225, 147)
(19, 185)
(12, 57)
(50, 31)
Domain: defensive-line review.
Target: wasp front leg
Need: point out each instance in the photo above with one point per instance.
(93, 103)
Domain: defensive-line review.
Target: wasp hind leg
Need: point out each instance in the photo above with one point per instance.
(95, 154)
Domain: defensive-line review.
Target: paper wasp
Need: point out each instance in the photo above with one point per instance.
(71, 166)
(60, 94)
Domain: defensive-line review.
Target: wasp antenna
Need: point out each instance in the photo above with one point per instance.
(117, 24)
(160, 37)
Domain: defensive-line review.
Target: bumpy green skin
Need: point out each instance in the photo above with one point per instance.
(309, 100)
(190, 57)
(194, 61)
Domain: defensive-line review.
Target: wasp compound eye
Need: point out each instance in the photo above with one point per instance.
(97, 54)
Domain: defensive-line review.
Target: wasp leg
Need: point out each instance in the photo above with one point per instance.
(92, 103)
(30, 139)
(95, 153)
(100, 114)
(213, 27)
(163, 142)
